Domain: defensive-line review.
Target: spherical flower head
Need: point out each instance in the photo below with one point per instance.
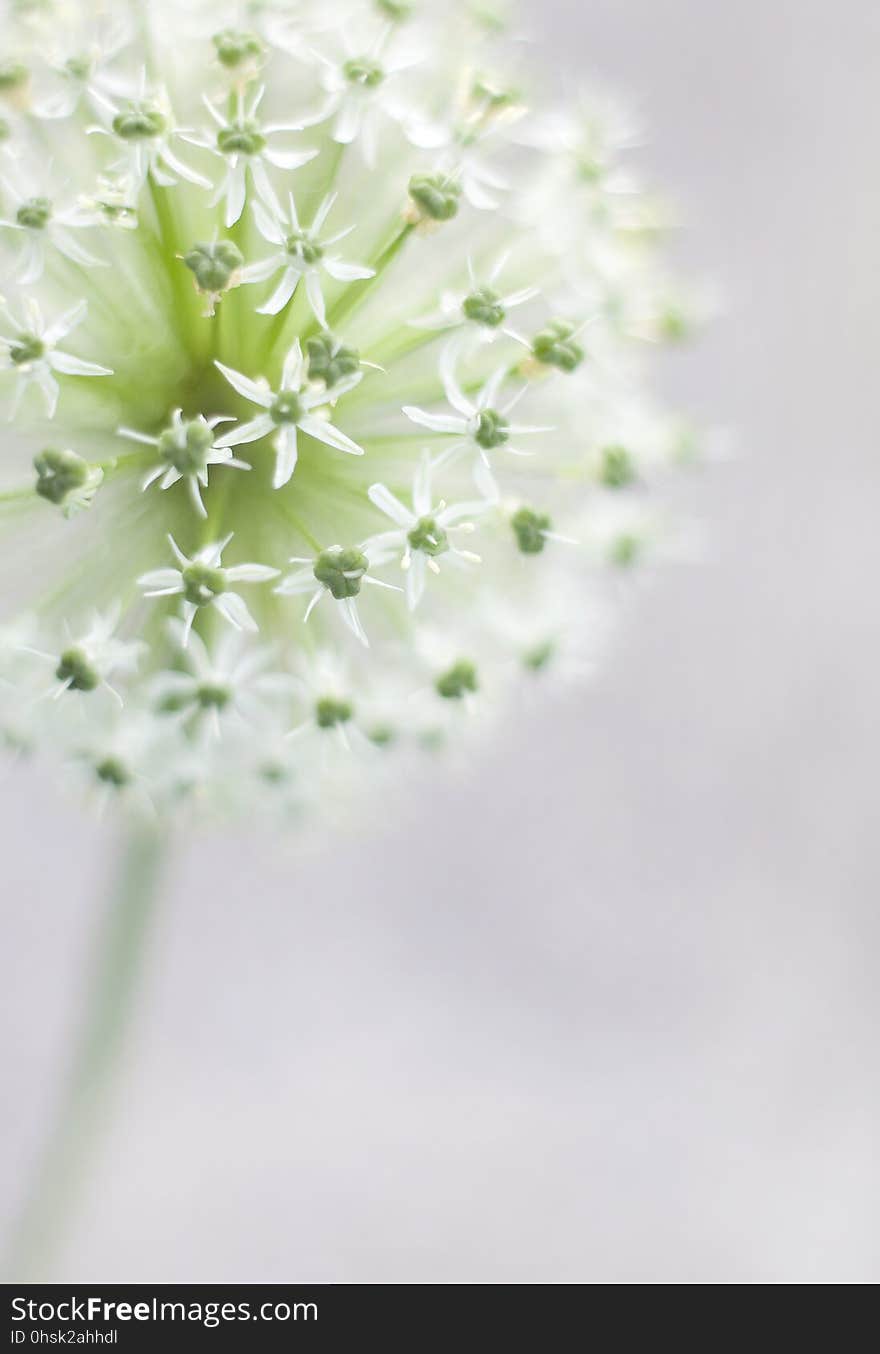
(371, 448)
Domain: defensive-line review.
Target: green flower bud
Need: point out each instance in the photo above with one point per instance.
(5, 130)
(214, 265)
(26, 348)
(530, 527)
(617, 469)
(491, 429)
(330, 712)
(363, 71)
(341, 569)
(483, 307)
(286, 408)
(328, 362)
(79, 67)
(382, 735)
(454, 684)
(395, 10)
(555, 347)
(202, 583)
(235, 47)
(435, 195)
(673, 325)
(75, 669)
(140, 122)
(625, 550)
(34, 214)
(191, 458)
(59, 472)
(241, 138)
(428, 537)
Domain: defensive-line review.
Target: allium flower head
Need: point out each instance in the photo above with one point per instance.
(371, 445)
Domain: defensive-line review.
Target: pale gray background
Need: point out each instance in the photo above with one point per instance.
(606, 1011)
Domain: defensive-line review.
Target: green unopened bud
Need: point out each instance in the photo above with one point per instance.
(26, 348)
(617, 469)
(538, 658)
(530, 529)
(12, 76)
(76, 670)
(5, 130)
(490, 430)
(34, 214)
(555, 346)
(428, 537)
(79, 67)
(59, 473)
(341, 569)
(395, 10)
(483, 306)
(330, 712)
(329, 361)
(192, 457)
(381, 735)
(458, 681)
(214, 266)
(435, 196)
(243, 137)
(363, 71)
(140, 122)
(673, 325)
(202, 583)
(236, 47)
(286, 408)
(113, 772)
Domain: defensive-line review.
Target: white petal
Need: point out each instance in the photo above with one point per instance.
(347, 272)
(256, 392)
(332, 437)
(234, 609)
(75, 366)
(392, 507)
(282, 293)
(285, 455)
(247, 432)
(437, 423)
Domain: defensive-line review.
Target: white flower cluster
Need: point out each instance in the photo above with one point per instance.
(323, 340)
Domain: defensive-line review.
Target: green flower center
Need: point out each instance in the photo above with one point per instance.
(341, 570)
(617, 469)
(213, 695)
(330, 712)
(34, 214)
(79, 67)
(555, 346)
(241, 138)
(191, 457)
(303, 247)
(539, 658)
(202, 583)
(329, 362)
(396, 10)
(460, 679)
(75, 669)
(12, 75)
(234, 46)
(490, 429)
(58, 472)
(112, 771)
(140, 122)
(428, 537)
(286, 408)
(26, 348)
(483, 307)
(530, 527)
(363, 71)
(213, 265)
(625, 551)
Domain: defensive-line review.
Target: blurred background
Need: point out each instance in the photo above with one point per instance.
(604, 1010)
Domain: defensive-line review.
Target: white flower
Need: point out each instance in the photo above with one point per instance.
(301, 255)
(480, 306)
(88, 659)
(229, 680)
(287, 409)
(243, 142)
(338, 571)
(202, 581)
(142, 126)
(32, 352)
(424, 531)
(39, 221)
(186, 448)
(480, 424)
(80, 58)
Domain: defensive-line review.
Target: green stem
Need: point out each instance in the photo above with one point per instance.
(98, 1056)
(356, 293)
